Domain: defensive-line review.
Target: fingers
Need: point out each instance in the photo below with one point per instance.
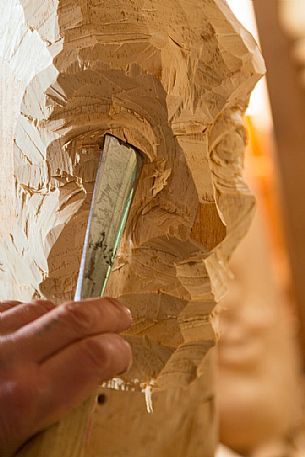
(5, 305)
(67, 324)
(70, 376)
(18, 316)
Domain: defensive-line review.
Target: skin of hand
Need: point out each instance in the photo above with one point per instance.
(52, 358)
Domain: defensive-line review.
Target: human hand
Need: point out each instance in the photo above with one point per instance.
(52, 358)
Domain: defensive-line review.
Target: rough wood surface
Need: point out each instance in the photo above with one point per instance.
(173, 79)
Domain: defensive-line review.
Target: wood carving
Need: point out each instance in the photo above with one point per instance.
(292, 19)
(288, 110)
(257, 347)
(172, 79)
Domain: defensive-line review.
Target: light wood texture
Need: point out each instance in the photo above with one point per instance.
(259, 382)
(288, 107)
(172, 79)
(292, 21)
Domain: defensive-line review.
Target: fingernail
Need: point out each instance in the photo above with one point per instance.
(128, 312)
(122, 308)
(128, 346)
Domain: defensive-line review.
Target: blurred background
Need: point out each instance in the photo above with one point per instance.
(262, 325)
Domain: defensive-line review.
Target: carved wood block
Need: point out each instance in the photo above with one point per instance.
(172, 79)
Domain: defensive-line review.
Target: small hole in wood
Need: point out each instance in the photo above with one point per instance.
(101, 399)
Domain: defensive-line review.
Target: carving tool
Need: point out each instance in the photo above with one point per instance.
(115, 185)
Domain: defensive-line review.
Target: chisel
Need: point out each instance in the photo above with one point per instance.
(115, 185)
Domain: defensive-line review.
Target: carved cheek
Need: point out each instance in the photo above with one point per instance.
(160, 271)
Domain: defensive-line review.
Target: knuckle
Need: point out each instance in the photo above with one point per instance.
(8, 353)
(24, 394)
(21, 396)
(3, 352)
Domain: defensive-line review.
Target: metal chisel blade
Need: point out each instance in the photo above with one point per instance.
(114, 188)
